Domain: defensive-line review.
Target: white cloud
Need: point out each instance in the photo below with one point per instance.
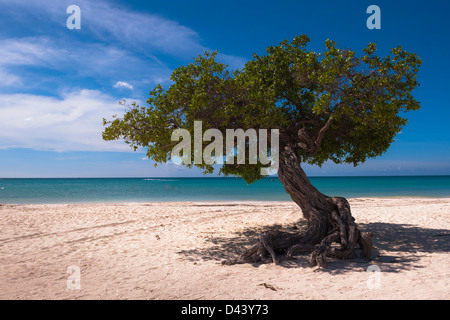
(122, 84)
(73, 123)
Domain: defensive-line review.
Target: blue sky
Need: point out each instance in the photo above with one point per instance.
(57, 84)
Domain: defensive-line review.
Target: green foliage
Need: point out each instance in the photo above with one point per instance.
(289, 88)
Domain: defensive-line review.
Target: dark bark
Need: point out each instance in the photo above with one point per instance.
(329, 221)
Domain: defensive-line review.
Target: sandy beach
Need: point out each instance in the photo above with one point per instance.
(174, 251)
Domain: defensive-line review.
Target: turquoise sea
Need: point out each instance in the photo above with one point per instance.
(82, 190)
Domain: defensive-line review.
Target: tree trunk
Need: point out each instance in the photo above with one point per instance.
(329, 221)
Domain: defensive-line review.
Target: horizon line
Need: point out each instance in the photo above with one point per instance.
(229, 177)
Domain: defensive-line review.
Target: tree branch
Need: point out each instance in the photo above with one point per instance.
(322, 131)
(310, 146)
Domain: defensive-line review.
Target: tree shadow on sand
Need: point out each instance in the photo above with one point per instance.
(397, 247)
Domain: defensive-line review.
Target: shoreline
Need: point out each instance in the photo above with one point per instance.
(216, 201)
(173, 250)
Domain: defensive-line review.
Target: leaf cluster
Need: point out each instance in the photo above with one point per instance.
(332, 105)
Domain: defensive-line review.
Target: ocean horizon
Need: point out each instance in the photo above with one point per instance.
(151, 189)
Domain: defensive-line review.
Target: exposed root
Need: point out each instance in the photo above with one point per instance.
(318, 256)
(265, 242)
(342, 232)
(299, 248)
(267, 247)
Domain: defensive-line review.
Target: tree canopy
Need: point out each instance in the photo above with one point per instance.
(334, 105)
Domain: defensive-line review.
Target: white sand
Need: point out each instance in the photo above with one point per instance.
(174, 250)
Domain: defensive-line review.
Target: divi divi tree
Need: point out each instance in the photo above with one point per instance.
(333, 105)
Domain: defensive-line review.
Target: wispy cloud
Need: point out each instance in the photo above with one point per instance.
(234, 62)
(31, 51)
(76, 60)
(9, 80)
(144, 30)
(107, 21)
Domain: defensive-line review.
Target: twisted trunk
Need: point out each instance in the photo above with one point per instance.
(316, 206)
(329, 221)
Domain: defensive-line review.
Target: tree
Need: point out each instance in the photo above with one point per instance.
(332, 105)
